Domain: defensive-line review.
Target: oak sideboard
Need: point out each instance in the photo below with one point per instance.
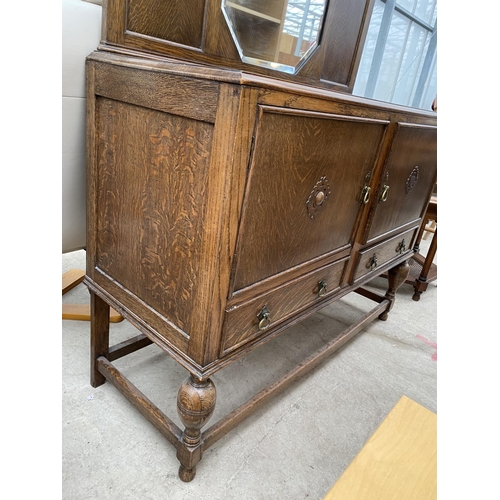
(227, 200)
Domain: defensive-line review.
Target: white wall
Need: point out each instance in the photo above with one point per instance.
(81, 32)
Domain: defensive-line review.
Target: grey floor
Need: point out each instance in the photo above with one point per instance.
(294, 448)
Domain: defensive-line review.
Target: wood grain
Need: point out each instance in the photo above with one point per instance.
(151, 204)
(198, 31)
(242, 324)
(215, 187)
(414, 146)
(225, 424)
(384, 252)
(179, 22)
(183, 189)
(398, 462)
(71, 278)
(167, 428)
(293, 152)
(99, 336)
(160, 91)
(81, 312)
(228, 174)
(343, 40)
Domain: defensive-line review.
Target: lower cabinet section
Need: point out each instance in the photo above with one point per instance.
(253, 318)
(371, 259)
(207, 188)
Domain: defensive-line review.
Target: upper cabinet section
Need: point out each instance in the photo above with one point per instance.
(177, 22)
(279, 35)
(314, 42)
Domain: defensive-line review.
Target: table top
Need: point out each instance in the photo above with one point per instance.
(398, 462)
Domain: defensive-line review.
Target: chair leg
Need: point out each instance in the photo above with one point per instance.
(80, 312)
(72, 278)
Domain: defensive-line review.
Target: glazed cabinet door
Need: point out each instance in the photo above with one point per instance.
(302, 197)
(406, 182)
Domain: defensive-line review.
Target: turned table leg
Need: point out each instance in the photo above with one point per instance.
(195, 405)
(421, 284)
(99, 336)
(397, 276)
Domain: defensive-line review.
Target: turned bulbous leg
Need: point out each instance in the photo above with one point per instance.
(397, 276)
(195, 405)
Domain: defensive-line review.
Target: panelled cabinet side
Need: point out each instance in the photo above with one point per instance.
(163, 219)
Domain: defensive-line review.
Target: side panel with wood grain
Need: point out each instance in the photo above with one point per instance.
(152, 175)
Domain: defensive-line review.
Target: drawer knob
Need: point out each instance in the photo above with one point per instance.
(264, 319)
(401, 247)
(372, 263)
(322, 287)
(320, 198)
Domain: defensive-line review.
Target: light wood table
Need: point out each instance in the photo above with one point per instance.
(398, 462)
(81, 312)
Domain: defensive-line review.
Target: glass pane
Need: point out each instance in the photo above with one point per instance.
(431, 88)
(398, 62)
(426, 10)
(369, 49)
(393, 57)
(407, 4)
(411, 65)
(278, 34)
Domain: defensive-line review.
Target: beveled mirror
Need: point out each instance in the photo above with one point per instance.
(277, 34)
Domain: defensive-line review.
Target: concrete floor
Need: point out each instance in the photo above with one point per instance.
(294, 448)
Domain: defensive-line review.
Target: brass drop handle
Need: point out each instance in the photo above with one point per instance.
(385, 192)
(373, 263)
(365, 195)
(322, 287)
(401, 247)
(264, 319)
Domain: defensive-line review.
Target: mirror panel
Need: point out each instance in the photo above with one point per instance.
(277, 34)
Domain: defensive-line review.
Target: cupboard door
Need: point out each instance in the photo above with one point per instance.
(303, 193)
(407, 180)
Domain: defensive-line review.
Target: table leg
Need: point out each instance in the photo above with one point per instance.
(421, 284)
(397, 276)
(195, 405)
(99, 336)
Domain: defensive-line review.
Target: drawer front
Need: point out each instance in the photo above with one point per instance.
(407, 181)
(302, 199)
(373, 258)
(243, 322)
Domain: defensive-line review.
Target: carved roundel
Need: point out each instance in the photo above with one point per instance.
(412, 180)
(318, 197)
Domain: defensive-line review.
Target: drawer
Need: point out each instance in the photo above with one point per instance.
(242, 323)
(373, 258)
